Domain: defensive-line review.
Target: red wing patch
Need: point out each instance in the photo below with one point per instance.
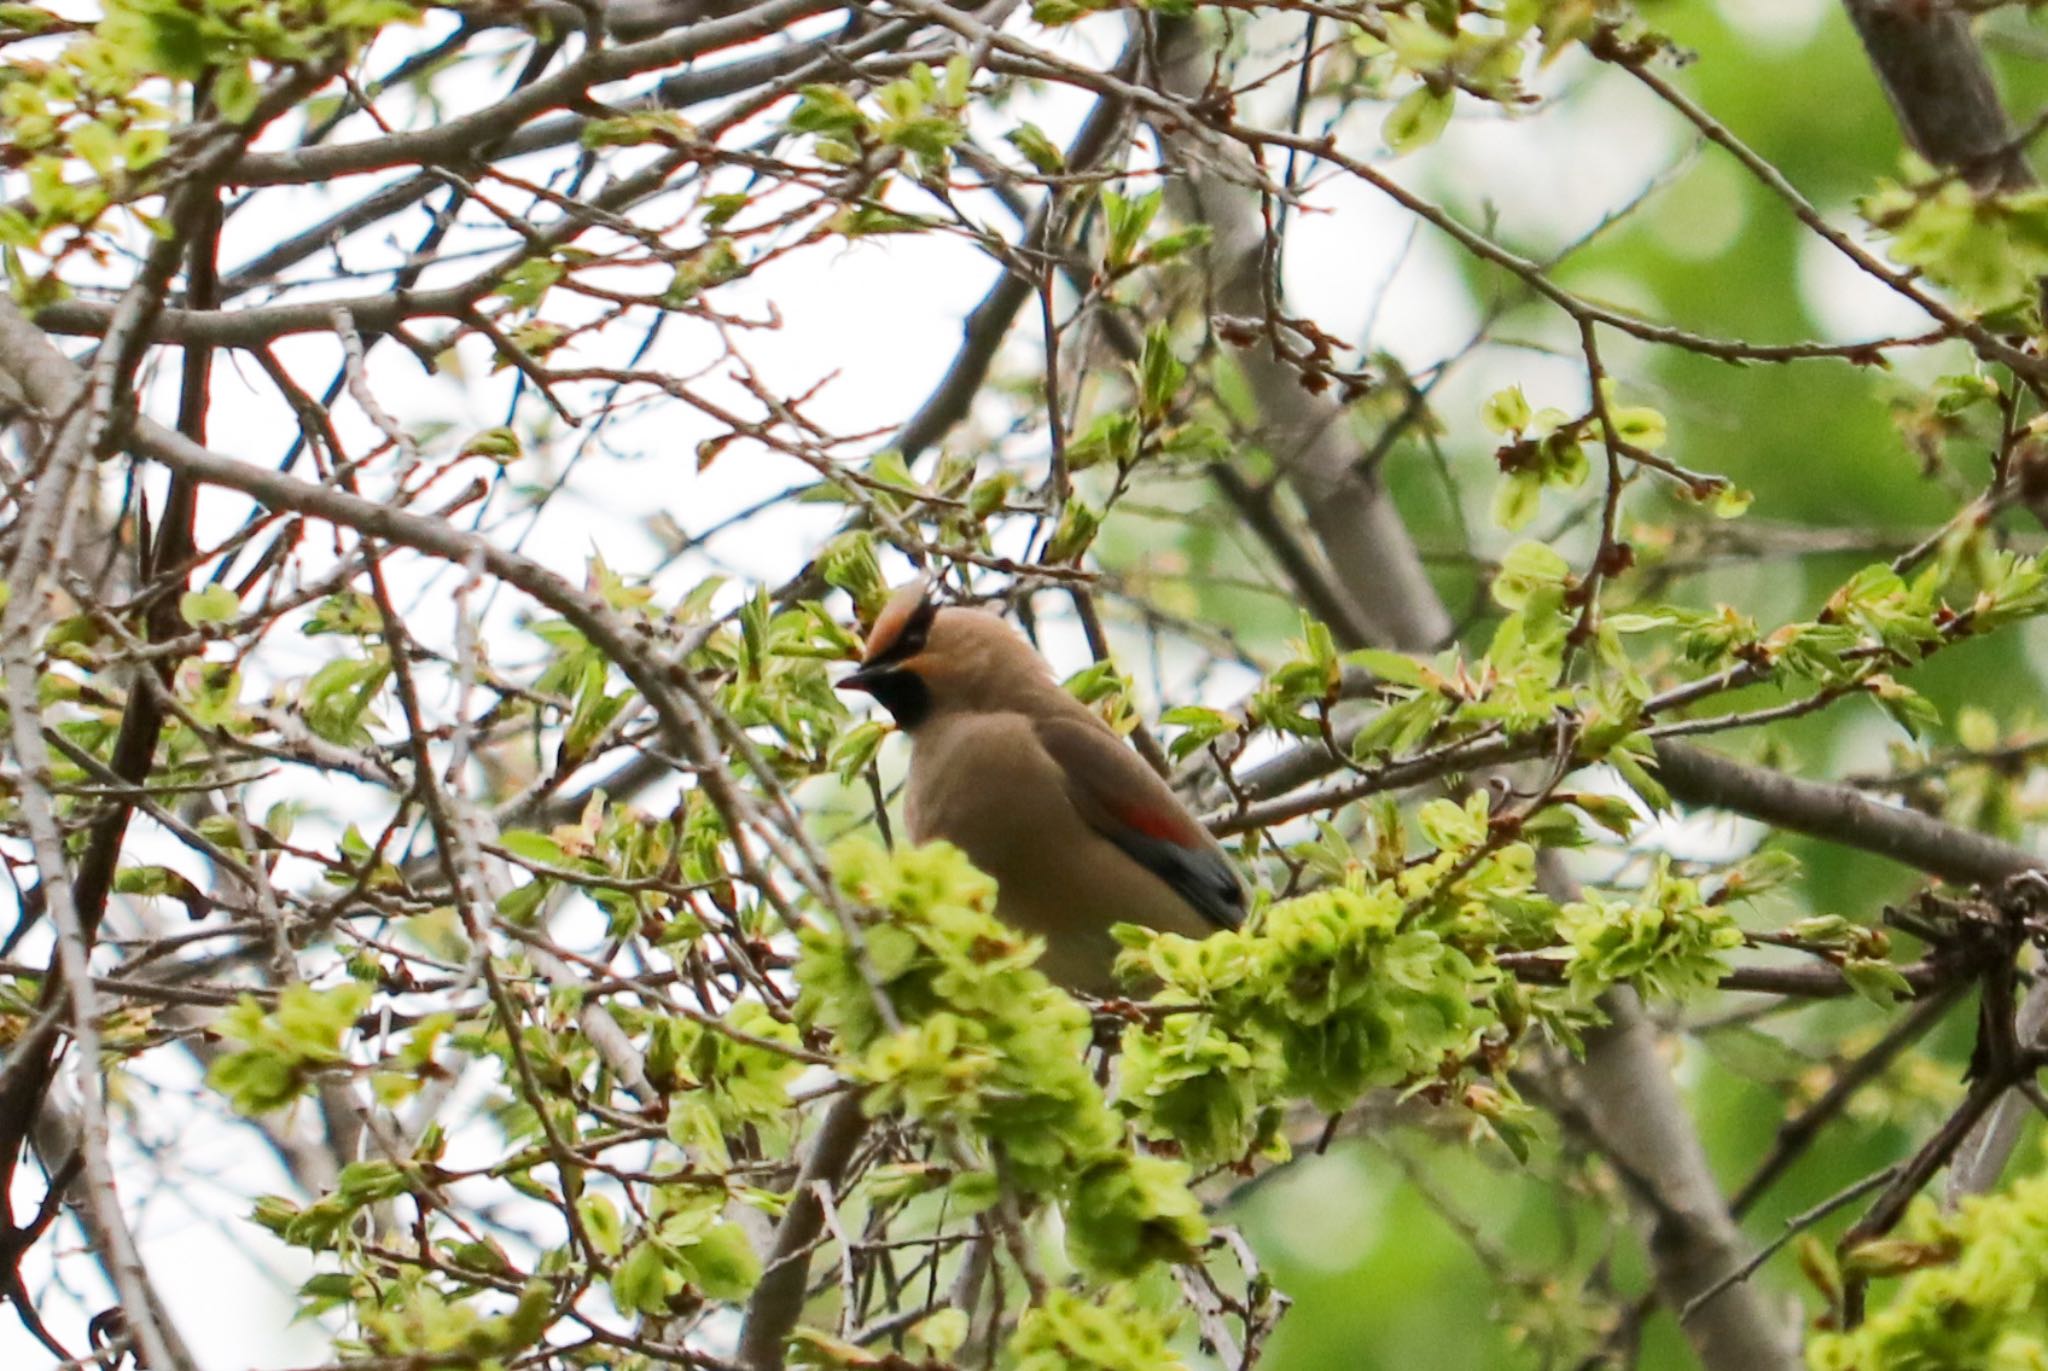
(1162, 825)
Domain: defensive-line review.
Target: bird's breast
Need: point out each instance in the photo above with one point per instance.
(986, 785)
(983, 784)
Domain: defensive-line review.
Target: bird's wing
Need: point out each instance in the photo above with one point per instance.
(1125, 801)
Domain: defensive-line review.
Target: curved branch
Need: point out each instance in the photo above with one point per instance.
(1830, 811)
(779, 1298)
(1839, 814)
(1940, 87)
(1635, 1116)
(457, 139)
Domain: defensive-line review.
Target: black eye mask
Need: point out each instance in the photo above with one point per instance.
(903, 693)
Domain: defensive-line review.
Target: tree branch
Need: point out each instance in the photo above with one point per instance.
(1694, 1245)
(1940, 87)
(1839, 814)
(778, 1300)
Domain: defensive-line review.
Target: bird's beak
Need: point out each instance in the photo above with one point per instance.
(863, 680)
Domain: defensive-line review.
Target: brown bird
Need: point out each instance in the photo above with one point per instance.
(1078, 832)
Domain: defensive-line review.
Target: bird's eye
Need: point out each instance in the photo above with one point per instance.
(918, 628)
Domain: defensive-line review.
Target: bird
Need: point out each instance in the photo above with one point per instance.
(1077, 830)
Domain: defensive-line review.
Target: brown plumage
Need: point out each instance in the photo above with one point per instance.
(1077, 831)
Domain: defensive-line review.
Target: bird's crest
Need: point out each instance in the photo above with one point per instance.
(902, 626)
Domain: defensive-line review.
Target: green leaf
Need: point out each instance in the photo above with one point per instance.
(1517, 499)
(1527, 569)
(1040, 151)
(601, 1221)
(664, 127)
(1450, 825)
(1507, 411)
(1160, 374)
(530, 846)
(520, 904)
(1908, 708)
(1626, 759)
(1988, 246)
(96, 143)
(827, 109)
(1877, 981)
(215, 604)
(1106, 1330)
(500, 445)
(1078, 525)
(1611, 812)
(1200, 727)
(1177, 243)
(1419, 44)
(235, 92)
(988, 495)
(1639, 425)
(943, 1333)
(1126, 220)
(1730, 502)
(856, 749)
(528, 283)
(646, 1279)
(1418, 119)
(721, 1263)
(1111, 437)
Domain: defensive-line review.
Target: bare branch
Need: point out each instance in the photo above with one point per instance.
(778, 1300)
